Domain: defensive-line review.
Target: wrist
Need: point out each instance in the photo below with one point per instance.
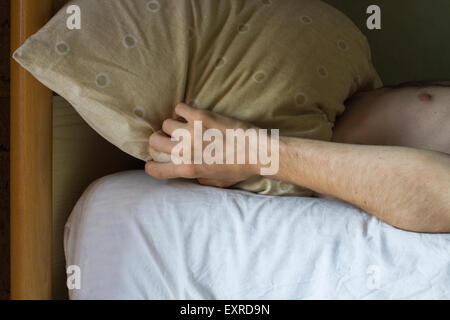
(268, 164)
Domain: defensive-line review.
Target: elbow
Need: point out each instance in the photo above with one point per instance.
(433, 219)
(436, 215)
(428, 207)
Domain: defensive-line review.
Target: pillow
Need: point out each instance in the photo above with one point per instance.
(279, 64)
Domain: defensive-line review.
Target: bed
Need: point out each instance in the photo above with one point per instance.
(135, 237)
(55, 156)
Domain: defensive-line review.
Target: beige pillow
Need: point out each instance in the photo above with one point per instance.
(284, 64)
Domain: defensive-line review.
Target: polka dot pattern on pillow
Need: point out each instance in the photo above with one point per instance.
(280, 64)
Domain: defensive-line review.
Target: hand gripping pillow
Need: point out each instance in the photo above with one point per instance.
(279, 64)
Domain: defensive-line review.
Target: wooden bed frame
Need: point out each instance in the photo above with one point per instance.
(51, 165)
(52, 147)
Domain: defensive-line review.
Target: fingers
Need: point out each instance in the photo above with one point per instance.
(171, 171)
(161, 142)
(189, 113)
(162, 170)
(170, 125)
(184, 111)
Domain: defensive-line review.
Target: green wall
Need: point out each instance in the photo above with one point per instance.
(414, 42)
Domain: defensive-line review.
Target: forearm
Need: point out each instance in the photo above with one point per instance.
(407, 188)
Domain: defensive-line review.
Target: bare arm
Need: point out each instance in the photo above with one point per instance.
(407, 188)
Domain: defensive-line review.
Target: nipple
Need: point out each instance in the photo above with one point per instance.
(425, 96)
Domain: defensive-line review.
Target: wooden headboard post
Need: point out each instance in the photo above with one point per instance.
(31, 163)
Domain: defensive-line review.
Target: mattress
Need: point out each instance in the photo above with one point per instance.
(134, 237)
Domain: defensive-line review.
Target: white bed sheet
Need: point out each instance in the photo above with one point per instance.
(135, 237)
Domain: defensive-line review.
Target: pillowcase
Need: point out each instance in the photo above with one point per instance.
(279, 64)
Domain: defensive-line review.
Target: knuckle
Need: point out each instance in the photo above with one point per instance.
(201, 114)
(152, 139)
(179, 108)
(151, 170)
(179, 105)
(166, 124)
